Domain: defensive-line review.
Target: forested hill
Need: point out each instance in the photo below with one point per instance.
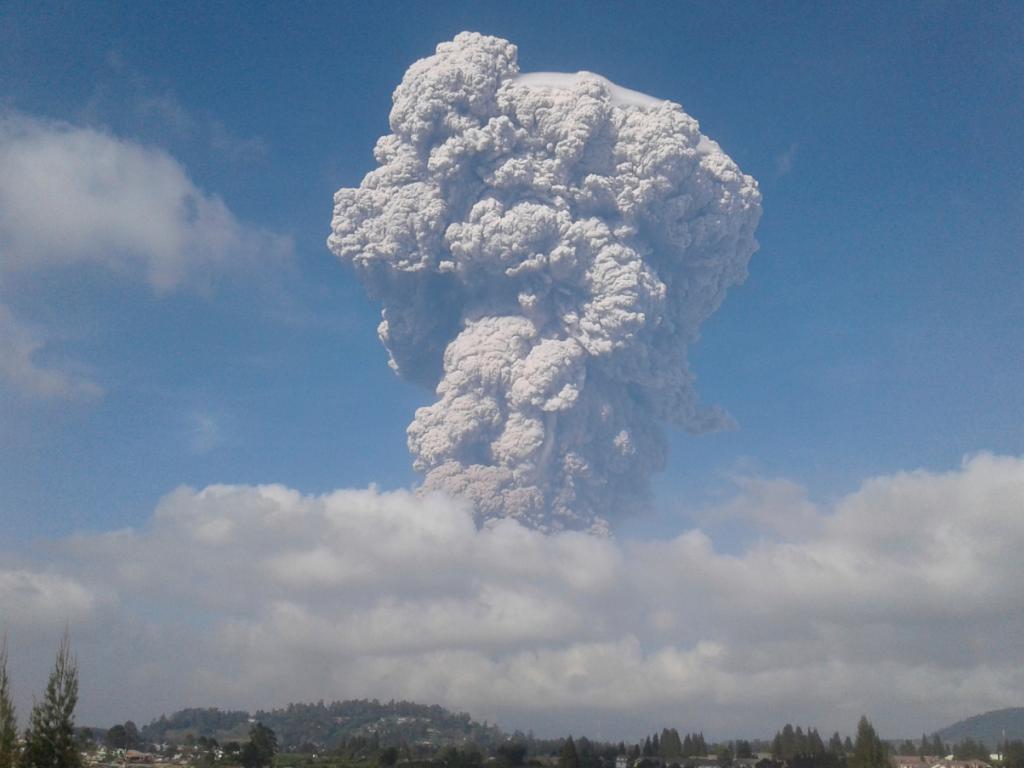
(329, 725)
(990, 728)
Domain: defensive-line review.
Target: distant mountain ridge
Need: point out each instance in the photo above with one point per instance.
(328, 725)
(989, 728)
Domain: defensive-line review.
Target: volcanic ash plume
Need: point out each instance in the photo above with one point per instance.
(545, 247)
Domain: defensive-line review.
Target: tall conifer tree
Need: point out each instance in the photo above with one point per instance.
(868, 750)
(835, 745)
(568, 757)
(8, 721)
(50, 738)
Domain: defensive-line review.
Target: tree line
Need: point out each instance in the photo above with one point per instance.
(328, 726)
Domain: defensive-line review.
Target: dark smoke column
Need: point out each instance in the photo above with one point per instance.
(545, 247)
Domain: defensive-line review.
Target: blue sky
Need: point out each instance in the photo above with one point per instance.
(881, 328)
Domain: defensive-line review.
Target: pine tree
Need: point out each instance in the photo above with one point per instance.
(835, 745)
(790, 742)
(259, 750)
(815, 746)
(671, 746)
(50, 738)
(585, 756)
(868, 750)
(8, 721)
(568, 758)
(776, 747)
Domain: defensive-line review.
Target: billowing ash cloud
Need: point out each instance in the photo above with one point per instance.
(546, 247)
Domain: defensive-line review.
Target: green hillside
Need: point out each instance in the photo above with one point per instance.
(990, 728)
(328, 725)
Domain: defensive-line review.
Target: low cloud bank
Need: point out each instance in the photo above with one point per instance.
(901, 600)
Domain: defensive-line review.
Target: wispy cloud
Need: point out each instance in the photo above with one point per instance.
(785, 160)
(205, 433)
(125, 96)
(20, 347)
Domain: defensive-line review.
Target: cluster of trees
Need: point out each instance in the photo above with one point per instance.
(591, 754)
(927, 747)
(806, 749)
(205, 751)
(124, 736)
(798, 747)
(793, 742)
(969, 749)
(330, 726)
(669, 746)
(196, 722)
(966, 749)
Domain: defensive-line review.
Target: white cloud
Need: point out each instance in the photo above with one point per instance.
(902, 601)
(70, 195)
(775, 505)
